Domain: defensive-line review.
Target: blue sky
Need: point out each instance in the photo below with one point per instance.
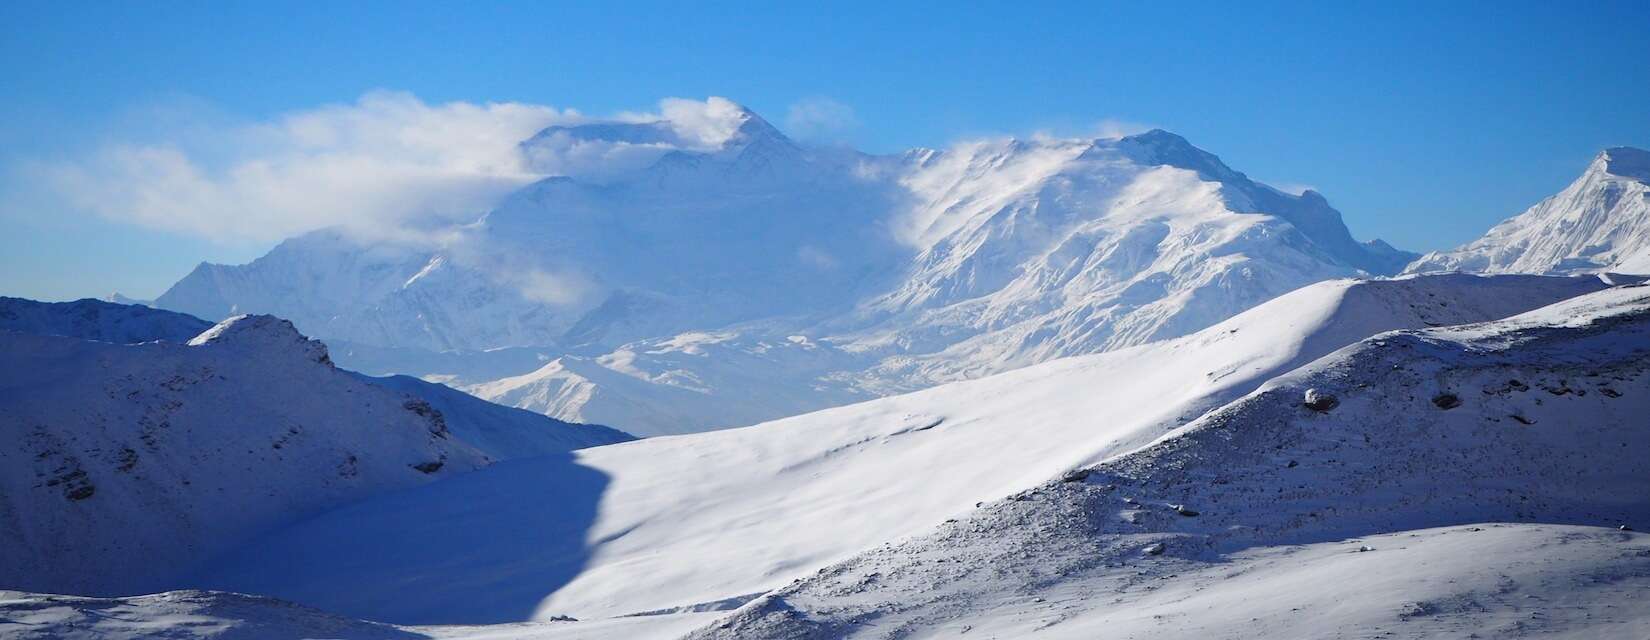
(1424, 123)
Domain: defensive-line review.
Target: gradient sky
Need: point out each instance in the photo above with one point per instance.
(1424, 123)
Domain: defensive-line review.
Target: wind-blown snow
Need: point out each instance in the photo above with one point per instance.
(707, 518)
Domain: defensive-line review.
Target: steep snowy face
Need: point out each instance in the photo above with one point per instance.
(1025, 251)
(97, 320)
(1601, 222)
(123, 463)
(1414, 437)
(1032, 251)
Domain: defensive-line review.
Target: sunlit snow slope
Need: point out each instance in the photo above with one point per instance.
(699, 520)
(1277, 517)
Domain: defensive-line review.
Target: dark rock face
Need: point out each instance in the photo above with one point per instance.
(1446, 401)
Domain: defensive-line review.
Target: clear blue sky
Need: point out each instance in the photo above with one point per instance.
(1424, 123)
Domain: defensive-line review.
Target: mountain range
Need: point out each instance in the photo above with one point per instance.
(721, 283)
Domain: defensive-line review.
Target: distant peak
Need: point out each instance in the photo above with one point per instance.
(1627, 162)
(1159, 147)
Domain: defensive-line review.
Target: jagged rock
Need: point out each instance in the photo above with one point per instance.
(1155, 549)
(1446, 401)
(1182, 510)
(1320, 401)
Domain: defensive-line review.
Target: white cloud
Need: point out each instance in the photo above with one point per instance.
(386, 162)
(820, 118)
(1292, 188)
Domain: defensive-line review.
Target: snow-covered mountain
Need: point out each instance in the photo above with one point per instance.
(135, 441)
(816, 276)
(1430, 482)
(706, 520)
(1601, 222)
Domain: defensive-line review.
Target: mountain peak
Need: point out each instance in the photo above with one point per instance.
(260, 332)
(1626, 162)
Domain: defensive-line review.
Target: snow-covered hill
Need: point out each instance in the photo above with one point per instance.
(1601, 222)
(1240, 523)
(122, 463)
(824, 275)
(1459, 481)
(706, 520)
(97, 320)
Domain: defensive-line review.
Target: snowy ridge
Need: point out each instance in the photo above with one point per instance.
(682, 521)
(97, 320)
(124, 463)
(1535, 420)
(896, 272)
(1601, 222)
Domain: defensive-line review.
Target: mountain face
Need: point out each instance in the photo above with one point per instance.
(135, 441)
(1601, 222)
(827, 274)
(691, 521)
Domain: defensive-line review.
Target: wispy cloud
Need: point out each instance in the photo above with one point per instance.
(1115, 128)
(820, 118)
(387, 163)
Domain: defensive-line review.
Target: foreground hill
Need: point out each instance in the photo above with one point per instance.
(1359, 508)
(122, 463)
(708, 520)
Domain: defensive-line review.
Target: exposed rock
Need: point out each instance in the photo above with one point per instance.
(1446, 401)
(1320, 401)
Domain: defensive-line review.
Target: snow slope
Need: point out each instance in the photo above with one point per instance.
(706, 520)
(499, 431)
(1601, 222)
(1537, 420)
(122, 463)
(824, 275)
(188, 615)
(1502, 579)
(90, 319)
